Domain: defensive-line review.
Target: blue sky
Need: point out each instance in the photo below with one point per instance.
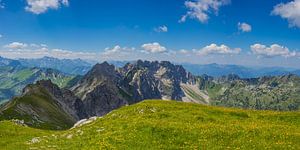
(245, 32)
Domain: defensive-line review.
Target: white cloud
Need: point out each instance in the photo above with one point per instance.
(117, 50)
(272, 51)
(215, 49)
(154, 48)
(210, 54)
(33, 45)
(23, 50)
(41, 6)
(60, 53)
(118, 53)
(244, 27)
(289, 11)
(161, 29)
(183, 51)
(200, 9)
(1, 35)
(16, 45)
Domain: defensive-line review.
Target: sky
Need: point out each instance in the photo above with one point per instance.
(242, 32)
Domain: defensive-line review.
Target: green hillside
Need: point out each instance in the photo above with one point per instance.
(38, 109)
(265, 93)
(14, 79)
(166, 125)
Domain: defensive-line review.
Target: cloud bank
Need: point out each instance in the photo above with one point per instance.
(215, 49)
(273, 55)
(16, 45)
(17, 50)
(272, 51)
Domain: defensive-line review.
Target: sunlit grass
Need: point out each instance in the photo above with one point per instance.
(166, 125)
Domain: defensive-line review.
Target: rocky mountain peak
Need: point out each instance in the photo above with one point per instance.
(229, 78)
(102, 66)
(45, 84)
(100, 73)
(155, 79)
(101, 70)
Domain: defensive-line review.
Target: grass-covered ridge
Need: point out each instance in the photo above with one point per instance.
(38, 109)
(166, 125)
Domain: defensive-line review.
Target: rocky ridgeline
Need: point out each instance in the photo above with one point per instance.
(106, 88)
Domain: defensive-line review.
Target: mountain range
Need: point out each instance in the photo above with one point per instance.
(218, 70)
(81, 67)
(106, 87)
(14, 77)
(69, 66)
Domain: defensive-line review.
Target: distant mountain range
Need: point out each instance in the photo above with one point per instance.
(75, 66)
(217, 70)
(16, 74)
(106, 87)
(14, 77)
(69, 66)
(81, 67)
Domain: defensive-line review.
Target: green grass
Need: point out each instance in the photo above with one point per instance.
(23, 74)
(61, 81)
(45, 112)
(214, 90)
(166, 125)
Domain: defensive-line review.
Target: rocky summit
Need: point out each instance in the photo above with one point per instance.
(106, 87)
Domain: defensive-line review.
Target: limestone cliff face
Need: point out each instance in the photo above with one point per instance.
(156, 79)
(98, 74)
(103, 99)
(99, 90)
(105, 87)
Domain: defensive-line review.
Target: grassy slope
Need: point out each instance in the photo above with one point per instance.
(167, 125)
(48, 114)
